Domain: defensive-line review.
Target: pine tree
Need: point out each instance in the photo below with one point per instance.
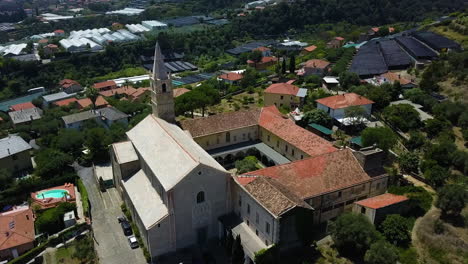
(229, 243)
(237, 252)
(283, 67)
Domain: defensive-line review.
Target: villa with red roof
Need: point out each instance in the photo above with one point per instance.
(16, 232)
(377, 207)
(86, 102)
(231, 77)
(335, 43)
(284, 95)
(264, 63)
(336, 105)
(314, 66)
(104, 86)
(70, 86)
(66, 102)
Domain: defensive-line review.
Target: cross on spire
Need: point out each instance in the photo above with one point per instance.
(159, 69)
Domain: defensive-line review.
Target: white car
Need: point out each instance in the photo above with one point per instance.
(133, 241)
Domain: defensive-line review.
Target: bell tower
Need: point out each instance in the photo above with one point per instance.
(162, 99)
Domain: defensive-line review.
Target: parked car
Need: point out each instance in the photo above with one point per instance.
(133, 241)
(127, 228)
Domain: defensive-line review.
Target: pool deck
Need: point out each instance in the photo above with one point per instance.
(52, 202)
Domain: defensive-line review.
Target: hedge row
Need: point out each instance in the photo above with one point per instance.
(84, 196)
(51, 242)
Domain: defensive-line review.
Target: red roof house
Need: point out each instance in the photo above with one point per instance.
(16, 232)
(378, 207)
(65, 102)
(310, 48)
(22, 106)
(85, 102)
(104, 86)
(314, 66)
(180, 91)
(344, 100)
(282, 88)
(264, 63)
(230, 77)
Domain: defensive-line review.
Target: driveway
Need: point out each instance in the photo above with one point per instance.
(110, 243)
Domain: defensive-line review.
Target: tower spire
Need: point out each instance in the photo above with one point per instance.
(159, 69)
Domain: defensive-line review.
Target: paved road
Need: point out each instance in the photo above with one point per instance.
(111, 244)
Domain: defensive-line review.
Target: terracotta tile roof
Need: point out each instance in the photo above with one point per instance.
(382, 200)
(85, 102)
(272, 195)
(272, 120)
(219, 123)
(391, 76)
(16, 228)
(180, 91)
(316, 63)
(65, 102)
(232, 76)
(139, 92)
(22, 106)
(282, 88)
(43, 41)
(310, 48)
(339, 38)
(59, 31)
(65, 83)
(317, 175)
(122, 90)
(52, 46)
(344, 100)
(262, 49)
(375, 29)
(105, 84)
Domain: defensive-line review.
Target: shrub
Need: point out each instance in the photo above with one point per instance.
(382, 136)
(249, 163)
(51, 220)
(452, 199)
(381, 252)
(409, 162)
(84, 197)
(396, 230)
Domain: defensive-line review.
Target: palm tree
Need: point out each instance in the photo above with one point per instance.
(92, 94)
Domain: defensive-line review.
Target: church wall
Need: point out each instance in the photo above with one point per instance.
(158, 241)
(284, 148)
(191, 218)
(221, 139)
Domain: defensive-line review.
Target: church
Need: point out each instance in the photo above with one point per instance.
(179, 194)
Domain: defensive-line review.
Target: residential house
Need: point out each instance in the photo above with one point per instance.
(123, 91)
(16, 232)
(314, 66)
(336, 105)
(266, 52)
(269, 200)
(70, 86)
(180, 91)
(330, 83)
(51, 49)
(59, 33)
(14, 154)
(392, 77)
(25, 116)
(335, 43)
(104, 117)
(66, 102)
(86, 102)
(51, 98)
(230, 77)
(104, 86)
(22, 106)
(264, 63)
(378, 207)
(308, 49)
(141, 95)
(43, 42)
(284, 95)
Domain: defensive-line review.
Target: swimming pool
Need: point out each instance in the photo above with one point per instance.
(57, 193)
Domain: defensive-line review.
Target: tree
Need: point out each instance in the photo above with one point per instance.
(409, 162)
(416, 140)
(348, 79)
(69, 141)
(97, 142)
(267, 256)
(380, 95)
(292, 64)
(436, 175)
(237, 252)
(51, 163)
(353, 234)
(463, 120)
(435, 126)
(402, 116)
(452, 199)
(283, 66)
(395, 229)
(256, 56)
(92, 93)
(381, 252)
(6, 179)
(317, 116)
(382, 136)
(249, 163)
(441, 152)
(356, 114)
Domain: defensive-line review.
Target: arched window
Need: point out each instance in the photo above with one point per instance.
(201, 197)
(164, 88)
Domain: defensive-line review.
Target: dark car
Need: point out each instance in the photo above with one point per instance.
(126, 228)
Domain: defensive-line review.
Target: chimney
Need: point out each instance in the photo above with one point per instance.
(8, 151)
(31, 117)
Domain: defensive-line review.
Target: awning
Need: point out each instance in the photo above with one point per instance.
(322, 129)
(357, 141)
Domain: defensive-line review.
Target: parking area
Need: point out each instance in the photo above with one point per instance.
(111, 244)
